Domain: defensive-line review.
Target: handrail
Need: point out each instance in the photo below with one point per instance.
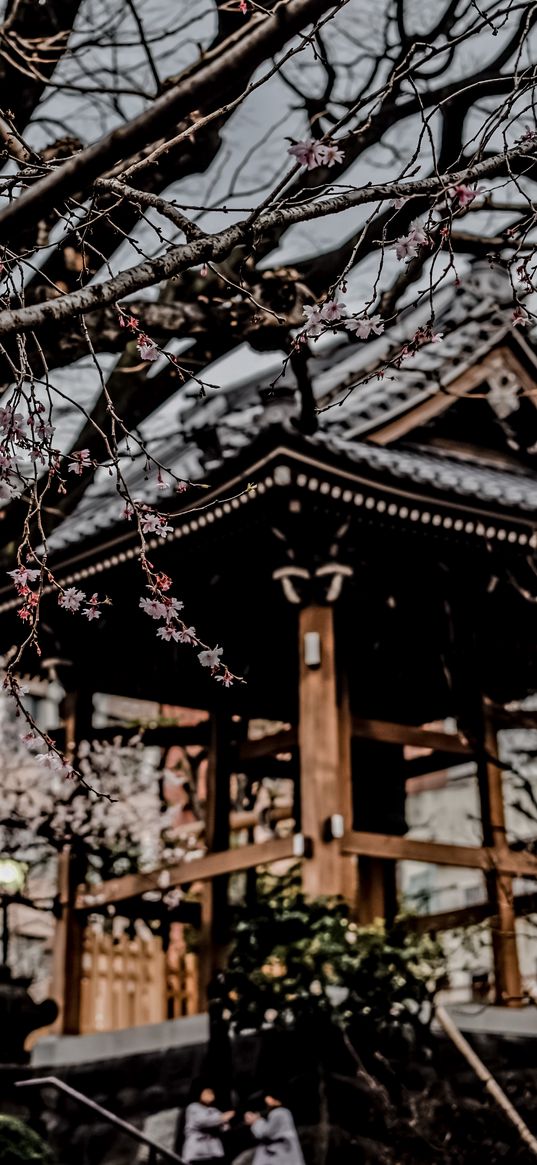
(53, 1082)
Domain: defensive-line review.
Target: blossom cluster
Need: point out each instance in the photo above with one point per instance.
(408, 246)
(321, 317)
(166, 610)
(311, 153)
(147, 348)
(70, 598)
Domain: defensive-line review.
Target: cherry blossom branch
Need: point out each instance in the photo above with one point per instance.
(219, 246)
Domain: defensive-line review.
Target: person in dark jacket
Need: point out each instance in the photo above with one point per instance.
(203, 1124)
(276, 1134)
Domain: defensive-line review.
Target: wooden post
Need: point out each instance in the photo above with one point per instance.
(69, 929)
(378, 890)
(350, 867)
(508, 988)
(378, 767)
(68, 947)
(214, 905)
(325, 768)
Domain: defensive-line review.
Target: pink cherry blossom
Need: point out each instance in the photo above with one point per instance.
(153, 608)
(211, 657)
(147, 349)
(81, 461)
(91, 613)
(172, 606)
(418, 233)
(464, 194)
(520, 316)
(49, 760)
(309, 153)
(406, 248)
(332, 154)
(11, 422)
(427, 336)
(226, 678)
(168, 632)
(364, 325)
(188, 635)
(23, 575)
(8, 491)
(71, 599)
(333, 310)
(153, 524)
(314, 325)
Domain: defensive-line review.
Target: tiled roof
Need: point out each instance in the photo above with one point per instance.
(511, 491)
(210, 431)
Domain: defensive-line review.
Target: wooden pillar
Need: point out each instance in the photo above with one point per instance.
(508, 988)
(378, 890)
(68, 946)
(325, 756)
(350, 866)
(76, 712)
(69, 928)
(214, 905)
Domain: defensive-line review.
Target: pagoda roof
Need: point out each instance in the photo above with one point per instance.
(212, 439)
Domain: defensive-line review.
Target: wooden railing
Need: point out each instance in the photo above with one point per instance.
(129, 981)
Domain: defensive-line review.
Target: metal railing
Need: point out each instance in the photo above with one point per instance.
(156, 1151)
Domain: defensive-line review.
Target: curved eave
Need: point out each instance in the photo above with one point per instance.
(309, 471)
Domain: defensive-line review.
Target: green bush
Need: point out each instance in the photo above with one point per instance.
(19, 1143)
(293, 958)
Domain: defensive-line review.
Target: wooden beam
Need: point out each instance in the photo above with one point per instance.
(240, 819)
(433, 764)
(383, 845)
(435, 404)
(456, 919)
(390, 733)
(469, 857)
(515, 717)
(464, 916)
(247, 818)
(282, 741)
(269, 767)
(186, 872)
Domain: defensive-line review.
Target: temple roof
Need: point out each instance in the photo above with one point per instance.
(376, 427)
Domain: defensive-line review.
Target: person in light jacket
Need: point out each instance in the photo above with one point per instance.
(203, 1124)
(276, 1134)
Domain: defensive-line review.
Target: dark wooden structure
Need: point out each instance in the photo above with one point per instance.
(366, 581)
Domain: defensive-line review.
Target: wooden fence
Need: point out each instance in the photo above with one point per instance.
(128, 981)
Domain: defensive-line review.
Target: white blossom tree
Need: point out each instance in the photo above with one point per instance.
(125, 825)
